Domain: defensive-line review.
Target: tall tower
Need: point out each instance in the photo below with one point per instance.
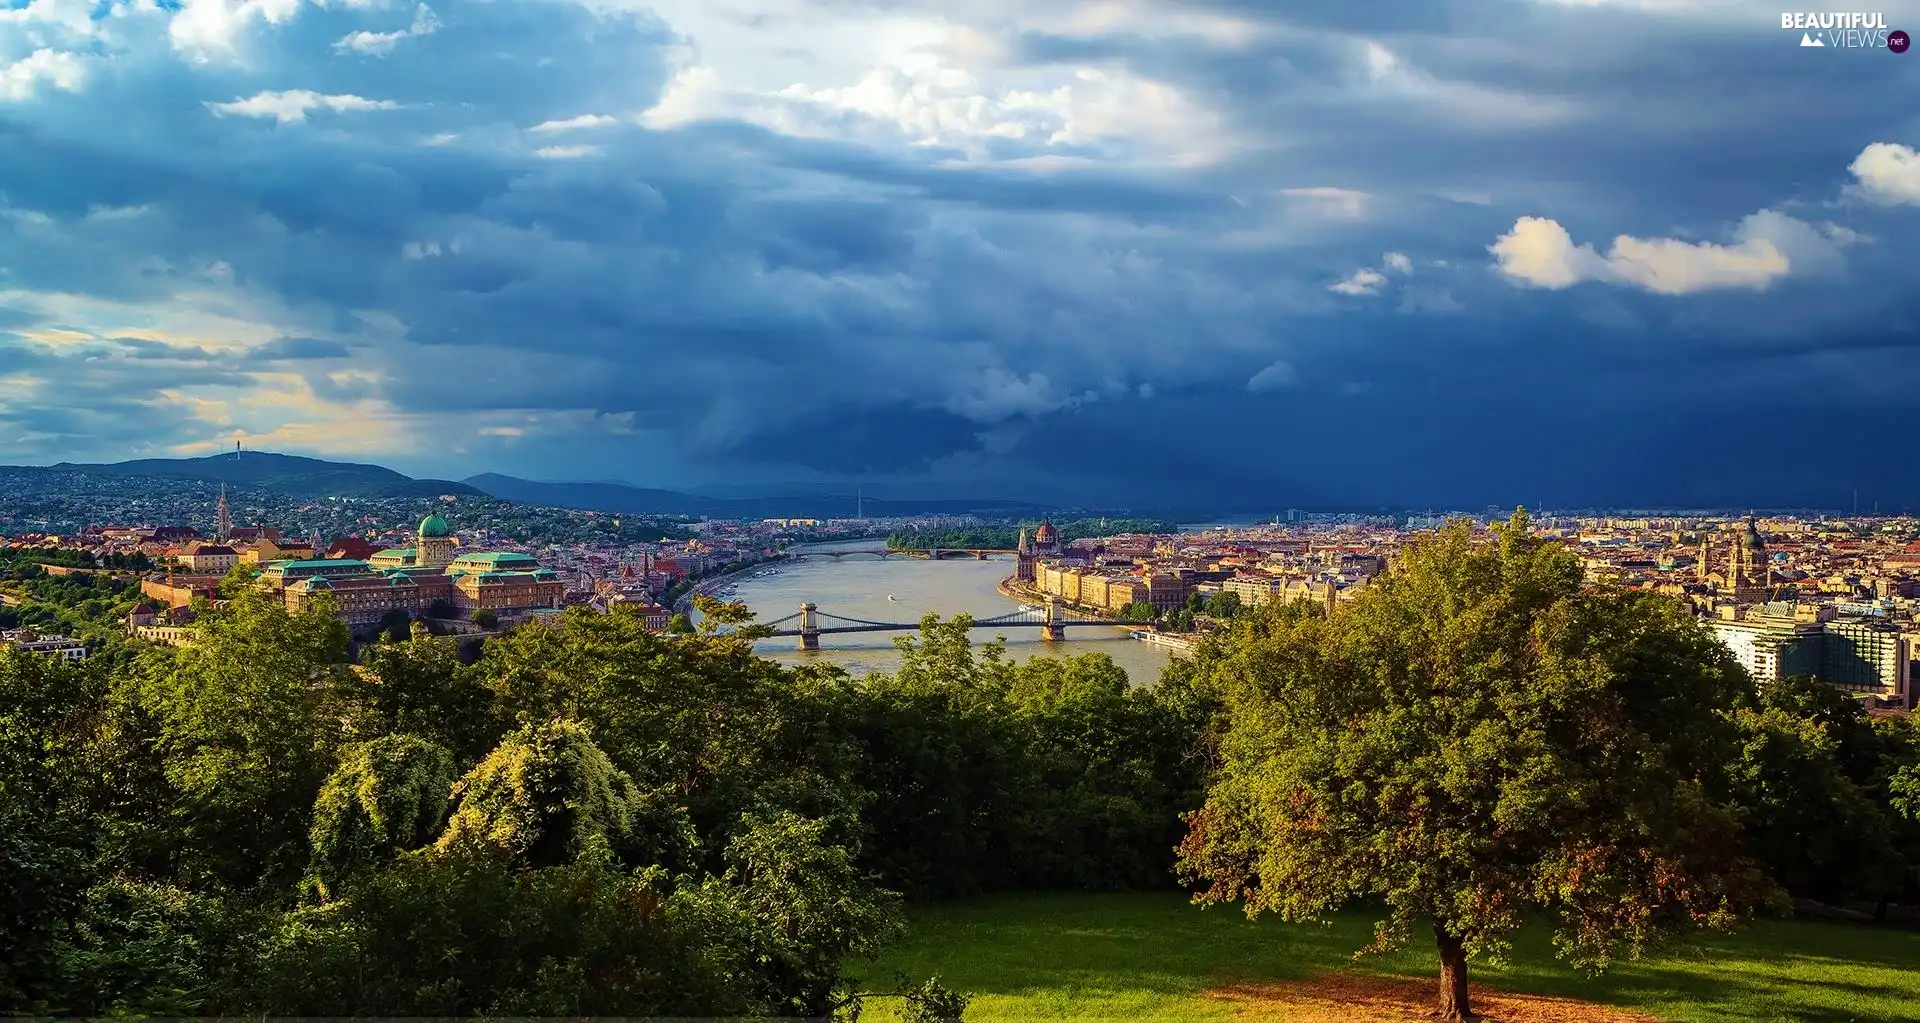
(223, 518)
(1702, 567)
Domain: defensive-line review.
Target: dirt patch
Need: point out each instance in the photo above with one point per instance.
(1341, 997)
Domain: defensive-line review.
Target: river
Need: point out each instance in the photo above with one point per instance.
(860, 586)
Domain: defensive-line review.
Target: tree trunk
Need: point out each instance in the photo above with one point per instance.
(1453, 974)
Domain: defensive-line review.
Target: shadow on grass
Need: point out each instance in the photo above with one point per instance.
(1069, 950)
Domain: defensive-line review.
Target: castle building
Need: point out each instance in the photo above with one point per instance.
(432, 548)
(414, 579)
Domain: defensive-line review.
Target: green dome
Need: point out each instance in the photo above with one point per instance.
(434, 525)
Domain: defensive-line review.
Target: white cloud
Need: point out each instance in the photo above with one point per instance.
(292, 106)
(1365, 281)
(997, 394)
(58, 69)
(926, 98)
(1397, 262)
(203, 28)
(1843, 236)
(1276, 377)
(567, 152)
(575, 123)
(379, 44)
(1888, 173)
(1540, 252)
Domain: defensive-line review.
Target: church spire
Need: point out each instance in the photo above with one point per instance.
(223, 518)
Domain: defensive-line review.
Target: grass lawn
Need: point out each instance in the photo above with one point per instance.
(1154, 956)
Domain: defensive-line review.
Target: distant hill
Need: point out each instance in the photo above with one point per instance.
(617, 497)
(288, 474)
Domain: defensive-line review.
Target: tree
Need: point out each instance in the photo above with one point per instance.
(811, 908)
(396, 626)
(548, 796)
(680, 624)
(716, 614)
(1476, 736)
(1906, 791)
(1819, 835)
(1223, 605)
(1138, 611)
(388, 795)
(484, 618)
(249, 718)
(420, 688)
(239, 579)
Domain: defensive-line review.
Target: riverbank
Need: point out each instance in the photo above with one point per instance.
(684, 602)
(1013, 589)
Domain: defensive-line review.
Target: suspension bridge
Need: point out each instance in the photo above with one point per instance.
(810, 623)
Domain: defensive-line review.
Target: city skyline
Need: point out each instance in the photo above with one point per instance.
(1417, 254)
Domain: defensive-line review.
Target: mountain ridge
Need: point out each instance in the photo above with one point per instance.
(267, 470)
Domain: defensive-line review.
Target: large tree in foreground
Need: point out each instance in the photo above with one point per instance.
(1477, 738)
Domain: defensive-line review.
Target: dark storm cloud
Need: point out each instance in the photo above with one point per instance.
(298, 349)
(858, 440)
(832, 298)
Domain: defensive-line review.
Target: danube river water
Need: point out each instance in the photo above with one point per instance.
(903, 590)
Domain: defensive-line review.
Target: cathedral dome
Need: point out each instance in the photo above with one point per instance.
(433, 526)
(1752, 539)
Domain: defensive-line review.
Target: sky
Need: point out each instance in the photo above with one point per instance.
(1413, 252)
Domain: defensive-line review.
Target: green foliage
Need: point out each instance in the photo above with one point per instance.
(141, 948)
(249, 721)
(731, 615)
(1051, 773)
(42, 876)
(396, 626)
(1906, 791)
(546, 795)
(239, 579)
(420, 687)
(1222, 605)
(700, 720)
(932, 1002)
(808, 906)
(1139, 611)
(1478, 735)
(680, 624)
(1817, 833)
(484, 618)
(388, 795)
(466, 934)
(15, 557)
